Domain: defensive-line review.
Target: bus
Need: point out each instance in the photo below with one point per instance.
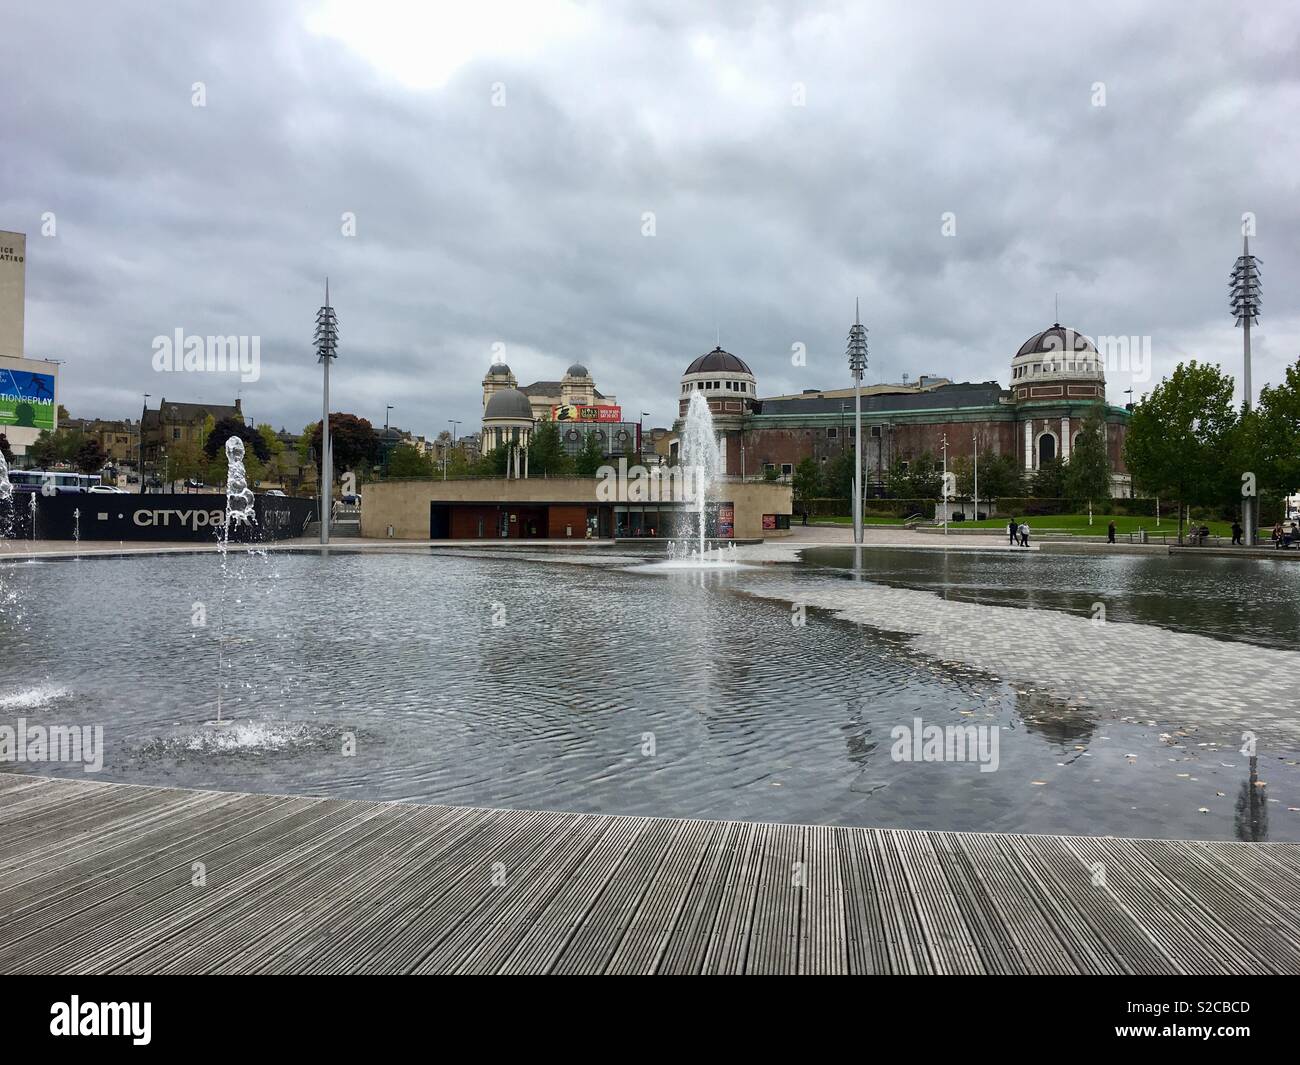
(60, 482)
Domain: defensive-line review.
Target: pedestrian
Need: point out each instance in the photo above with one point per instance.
(1024, 534)
(1110, 533)
(1236, 531)
(1011, 531)
(805, 515)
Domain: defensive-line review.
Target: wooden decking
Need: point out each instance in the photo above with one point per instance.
(101, 877)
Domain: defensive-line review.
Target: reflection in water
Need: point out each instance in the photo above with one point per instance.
(1250, 818)
(504, 682)
(1226, 598)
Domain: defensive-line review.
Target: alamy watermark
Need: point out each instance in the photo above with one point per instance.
(920, 742)
(53, 743)
(648, 484)
(182, 353)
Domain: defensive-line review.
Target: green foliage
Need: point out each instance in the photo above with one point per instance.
(215, 441)
(1087, 476)
(1048, 481)
(838, 477)
(807, 479)
(546, 454)
(1182, 440)
(406, 460)
(590, 458)
(922, 479)
(492, 463)
(353, 440)
(1271, 436)
(90, 456)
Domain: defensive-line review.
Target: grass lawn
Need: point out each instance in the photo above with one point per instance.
(1077, 524)
(847, 519)
(1074, 524)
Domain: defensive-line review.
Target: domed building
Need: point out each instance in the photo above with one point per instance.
(576, 389)
(730, 388)
(508, 422)
(510, 411)
(1057, 379)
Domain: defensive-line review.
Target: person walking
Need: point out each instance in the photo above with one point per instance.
(1011, 531)
(1024, 534)
(1236, 531)
(1110, 533)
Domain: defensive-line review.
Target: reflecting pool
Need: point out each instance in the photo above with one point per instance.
(774, 691)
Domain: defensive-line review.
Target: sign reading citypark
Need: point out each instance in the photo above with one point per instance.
(570, 412)
(26, 399)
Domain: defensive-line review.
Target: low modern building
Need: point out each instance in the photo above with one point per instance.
(568, 508)
(1057, 379)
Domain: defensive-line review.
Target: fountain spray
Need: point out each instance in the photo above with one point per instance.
(701, 456)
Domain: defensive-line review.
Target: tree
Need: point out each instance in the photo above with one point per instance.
(406, 460)
(807, 480)
(353, 440)
(591, 458)
(1087, 476)
(1181, 437)
(837, 482)
(546, 455)
(999, 476)
(492, 463)
(458, 464)
(58, 448)
(921, 479)
(1270, 433)
(5, 449)
(90, 456)
(1048, 481)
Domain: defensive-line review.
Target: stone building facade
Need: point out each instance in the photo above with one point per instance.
(1057, 380)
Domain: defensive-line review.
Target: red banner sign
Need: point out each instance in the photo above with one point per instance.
(570, 412)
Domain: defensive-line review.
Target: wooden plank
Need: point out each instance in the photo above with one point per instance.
(98, 877)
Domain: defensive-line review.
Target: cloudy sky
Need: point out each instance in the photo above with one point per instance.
(618, 183)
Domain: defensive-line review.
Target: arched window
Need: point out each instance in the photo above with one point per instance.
(1046, 448)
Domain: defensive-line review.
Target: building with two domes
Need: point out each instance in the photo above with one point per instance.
(1057, 378)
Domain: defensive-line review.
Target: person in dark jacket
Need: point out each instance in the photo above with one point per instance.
(1110, 533)
(1012, 526)
(1236, 531)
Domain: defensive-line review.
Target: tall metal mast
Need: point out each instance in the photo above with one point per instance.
(857, 352)
(327, 340)
(1245, 300)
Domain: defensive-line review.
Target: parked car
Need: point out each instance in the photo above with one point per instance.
(106, 489)
(273, 492)
(350, 500)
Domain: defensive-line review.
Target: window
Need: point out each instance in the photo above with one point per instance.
(875, 432)
(786, 469)
(832, 434)
(176, 434)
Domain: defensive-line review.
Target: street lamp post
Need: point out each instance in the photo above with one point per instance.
(857, 353)
(140, 471)
(944, 491)
(975, 449)
(327, 340)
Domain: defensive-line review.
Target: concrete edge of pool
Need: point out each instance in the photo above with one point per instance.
(114, 878)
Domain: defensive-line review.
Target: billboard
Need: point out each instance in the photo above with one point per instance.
(26, 399)
(570, 412)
